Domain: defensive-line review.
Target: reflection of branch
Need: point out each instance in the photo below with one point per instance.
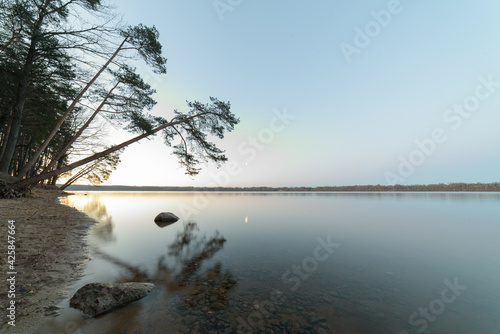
(138, 275)
(183, 240)
(96, 210)
(190, 251)
(195, 250)
(192, 265)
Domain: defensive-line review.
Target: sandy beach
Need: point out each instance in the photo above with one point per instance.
(50, 253)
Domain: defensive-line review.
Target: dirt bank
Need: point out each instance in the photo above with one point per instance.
(51, 251)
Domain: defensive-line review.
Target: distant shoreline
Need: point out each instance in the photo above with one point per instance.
(451, 187)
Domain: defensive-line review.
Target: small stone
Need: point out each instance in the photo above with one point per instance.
(52, 311)
(217, 306)
(313, 320)
(165, 218)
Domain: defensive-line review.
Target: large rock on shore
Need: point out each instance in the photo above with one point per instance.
(165, 218)
(97, 298)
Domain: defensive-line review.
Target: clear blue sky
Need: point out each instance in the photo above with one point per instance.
(361, 82)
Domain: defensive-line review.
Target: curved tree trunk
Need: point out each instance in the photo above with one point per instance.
(23, 184)
(80, 131)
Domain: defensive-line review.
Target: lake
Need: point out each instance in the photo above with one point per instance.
(378, 263)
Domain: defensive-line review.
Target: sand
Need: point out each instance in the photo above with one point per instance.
(51, 252)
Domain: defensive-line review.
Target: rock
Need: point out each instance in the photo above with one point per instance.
(165, 218)
(97, 298)
(52, 311)
(313, 320)
(217, 306)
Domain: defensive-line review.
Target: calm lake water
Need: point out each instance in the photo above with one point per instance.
(382, 263)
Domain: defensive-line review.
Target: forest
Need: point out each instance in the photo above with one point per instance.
(68, 72)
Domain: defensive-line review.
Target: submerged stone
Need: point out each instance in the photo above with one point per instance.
(97, 298)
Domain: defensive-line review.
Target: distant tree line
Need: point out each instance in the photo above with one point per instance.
(418, 187)
(441, 187)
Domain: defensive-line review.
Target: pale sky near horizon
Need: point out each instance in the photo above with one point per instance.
(329, 92)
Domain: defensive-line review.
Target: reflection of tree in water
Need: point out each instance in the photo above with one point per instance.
(197, 287)
(96, 210)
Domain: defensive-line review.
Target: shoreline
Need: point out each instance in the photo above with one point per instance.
(441, 187)
(51, 253)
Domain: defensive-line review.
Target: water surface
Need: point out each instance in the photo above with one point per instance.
(295, 263)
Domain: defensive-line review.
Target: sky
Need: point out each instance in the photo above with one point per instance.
(328, 92)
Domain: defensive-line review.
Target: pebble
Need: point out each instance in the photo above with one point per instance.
(313, 320)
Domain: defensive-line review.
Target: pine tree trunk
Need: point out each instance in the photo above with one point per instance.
(17, 112)
(10, 143)
(80, 131)
(23, 184)
(46, 142)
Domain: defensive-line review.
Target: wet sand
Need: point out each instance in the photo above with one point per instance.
(51, 252)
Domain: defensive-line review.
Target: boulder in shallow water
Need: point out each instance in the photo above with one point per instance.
(97, 298)
(165, 218)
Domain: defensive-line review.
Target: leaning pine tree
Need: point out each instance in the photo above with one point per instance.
(142, 39)
(114, 91)
(190, 128)
(37, 41)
